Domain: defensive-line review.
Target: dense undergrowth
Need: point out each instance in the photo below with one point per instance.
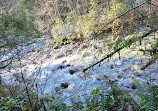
(115, 98)
(74, 21)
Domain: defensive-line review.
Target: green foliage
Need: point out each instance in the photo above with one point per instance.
(146, 97)
(15, 30)
(115, 45)
(20, 103)
(115, 98)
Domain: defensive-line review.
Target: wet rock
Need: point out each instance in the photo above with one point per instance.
(111, 75)
(58, 55)
(62, 66)
(118, 63)
(136, 67)
(99, 77)
(106, 76)
(113, 79)
(72, 70)
(128, 82)
(64, 85)
(135, 84)
(112, 66)
(155, 77)
(138, 73)
(121, 74)
(95, 46)
(126, 68)
(70, 87)
(131, 83)
(68, 51)
(64, 61)
(23, 78)
(54, 67)
(56, 47)
(68, 64)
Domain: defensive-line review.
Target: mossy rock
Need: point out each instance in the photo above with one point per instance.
(56, 46)
(67, 42)
(61, 42)
(68, 51)
(135, 84)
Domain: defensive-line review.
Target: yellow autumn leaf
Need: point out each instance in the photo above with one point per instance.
(48, 45)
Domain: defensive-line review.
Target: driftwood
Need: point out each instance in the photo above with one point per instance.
(111, 54)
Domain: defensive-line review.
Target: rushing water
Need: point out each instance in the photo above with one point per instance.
(47, 75)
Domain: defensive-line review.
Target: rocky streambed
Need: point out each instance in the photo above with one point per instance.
(50, 71)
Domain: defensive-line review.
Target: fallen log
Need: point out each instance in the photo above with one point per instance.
(111, 54)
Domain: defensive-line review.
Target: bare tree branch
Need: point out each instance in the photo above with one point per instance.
(111, 54)
(123, 14)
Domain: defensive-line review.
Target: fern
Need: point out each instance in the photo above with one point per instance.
(153, 98)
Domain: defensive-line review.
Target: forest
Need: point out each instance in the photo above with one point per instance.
(78, 55)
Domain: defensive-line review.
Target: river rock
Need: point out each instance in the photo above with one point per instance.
(58, 55)
(62, 66)
(66, 63)
(128, 82)
(56, 47)
(99, 77)
(121, 74)
(126, 68)
(136, 67)
(138, 73)
(118, 63)
(72, 70)
(131, 83)
(68, 51)
(111, 75)
(95, 46)
(64, 85)
(70, 87)
(54, 67)
(24, 77)
(112, 66)
(155, 77)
